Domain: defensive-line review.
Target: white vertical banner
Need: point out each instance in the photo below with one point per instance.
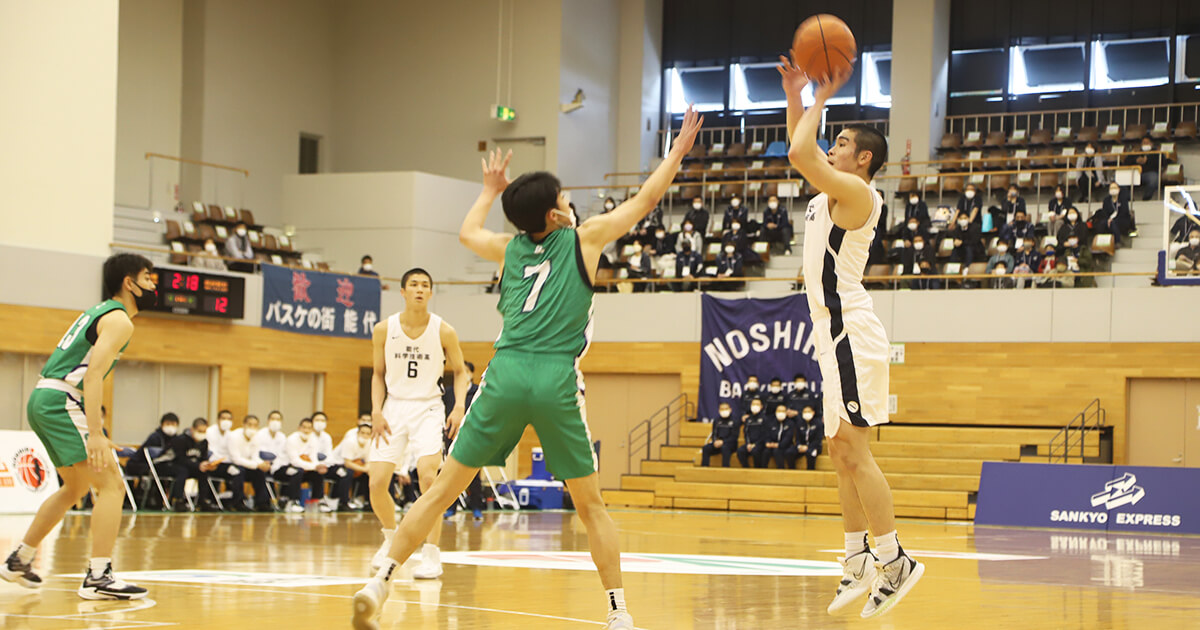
(27, 476)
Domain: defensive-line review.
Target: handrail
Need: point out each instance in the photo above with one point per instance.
(236, 169)
(1063, 438)
(684, 409)
(1081, 110)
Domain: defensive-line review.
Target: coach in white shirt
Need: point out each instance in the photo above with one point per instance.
(273, 441)
(218, 447)
(303, 465)
(244, 453)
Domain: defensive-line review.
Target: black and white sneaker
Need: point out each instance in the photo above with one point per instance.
(13, 570)
(108, 587)
(893, 581)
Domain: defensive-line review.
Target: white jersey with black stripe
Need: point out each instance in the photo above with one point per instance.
(835, 260)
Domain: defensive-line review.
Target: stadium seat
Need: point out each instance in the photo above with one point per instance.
(1160, 130)
(907, 185)
(1063, 135)
(323, 266)
(1048, 180)
(973, 160)
(973, 139)
(189, 231)
(1018, 159)
(1186, 130)
(1041, 137)
(717, 149)
(205, 231)
(215, 213)
(689, 192)
(269, 242)
(994, 139)
(698, 151)
(178, 256)
(1168, 149)
(1019, 137)
(999, 182)
(756, 148)
(1173, 174)
(776, 149)
(1103, 244)
(231, 214)
(929, 184)
(1112, 133)
(950, 141)
(951, 162)
(199, 211)
(736, 149)
(945, 247)
(1087, 134)
(247, 217)
(285, 244)
(173, 231)
(953, 183)
(729, 190)
(1134, 133)
(993, 160)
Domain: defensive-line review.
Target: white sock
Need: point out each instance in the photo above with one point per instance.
(97, 566)
(389, 533)
(856, 542)
(616, 600)
(25, 553)
(887, 547)
(385, 572)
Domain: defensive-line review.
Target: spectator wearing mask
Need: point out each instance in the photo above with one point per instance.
(1114, 216)
(906, 233)
(208, 262)
(157, 446)
(1027, 260)
(755, 432)
(304, 466)
(1091, 176)
(640, 267)
(219, 456)
(735, 213)
(1001, 281)
(1019, 230)
(662, 243)
(1072, 227)
(920, 252)
(777, 226)
(810, 432)
(610, 204)
(1151, 168)
(352, 454)
(237, 246)
(1012, 204)
(1076, 255)
(774, 395)
(971, 205)
(916, 209)
(752, 391)
(724, 437)
(781, 436)
(1057, 212)
(689, 234)
(272, 443)
(367, 268)
(689, 263)
(190, 461)
(729, 265)
(698, 216)
(1001, 257)
(325, 452)
(1181, 228)
(801, 396)
(966, 241)
(649, 225)
(1188, 258)
(925, 267)
(244, 453)
(1048, 263)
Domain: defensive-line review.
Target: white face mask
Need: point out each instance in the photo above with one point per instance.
(210, 248)
(801, 385)
(970, 194)
(914, 200)
(275, 426)
(736, 203)
(1072, 216)
(781, 415)
(729, 250)
(755, 408)
(775, 389)
(724, 413)
(319, 425)
(774, 205)
(1146, 147)
(250, 431)
(1089, 151)
(751, 386)
(609, 206)
(962, 223)
(241, 231)
(735, 226)
(999, 271)
(1058, 195)
(368, 266)
(919, 246)
(1114, 191)
(687, 228)
(660, 234)
(697, 206)
(225, 425)
(1002, 248)
(808, 415)
(170, 429)
(912, 227)
(362, 441)
(1194, 242)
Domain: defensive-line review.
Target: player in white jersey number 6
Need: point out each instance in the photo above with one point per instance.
(412, 349)
(852, 347)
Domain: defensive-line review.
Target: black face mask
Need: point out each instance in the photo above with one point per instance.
(147, 300)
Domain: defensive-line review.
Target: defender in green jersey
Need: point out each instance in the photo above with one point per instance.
(534, 377)
(65, 412)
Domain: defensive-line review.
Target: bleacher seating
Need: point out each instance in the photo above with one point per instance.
(215, 222)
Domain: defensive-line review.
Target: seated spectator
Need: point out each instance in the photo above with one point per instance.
(1151, 168)
(912, 257)
(916, 209)
(1114, 216)
(325, 453)
(158, 447)
(1002, 280)
(1072, 228)
(1076, 256)
(780, 437)
(688, 234)
(925, 267)
(272, 443)
(1019, 230)
(689, 263)
(1181, 228)
(1057, 212)
(662, 243)
(237, 246)
(367, 268)
(755, 433)
(729, 265)
(244, 452)
(735, 213)
(218, 446)
(610, 204)
(352, 455)
(1026, 261)
(905, 233)
(971, 205)
(1048, 264)
(967, 241)
(775, 395)
(190, 461)
(750, 393)
(810, 432)
(801, 396)
(724, 437)
(649, 224)
(777, 226)
(208, 262)
(1091, 177)
(1188, 258)
(1013, 204)
(641, 267)
(304, 466)
(1001, 257)
(697, 216)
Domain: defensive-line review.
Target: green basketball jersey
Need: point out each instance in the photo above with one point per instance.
(69, 361)
(545, 296)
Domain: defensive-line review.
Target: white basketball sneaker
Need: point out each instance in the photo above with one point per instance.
(368, 603)
(431, 563)
(619, 620)
(894, 580)
(858, 574)
(381, 555)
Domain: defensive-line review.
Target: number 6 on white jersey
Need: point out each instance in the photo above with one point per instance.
(543, 272)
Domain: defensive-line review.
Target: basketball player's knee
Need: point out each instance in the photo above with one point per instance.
(378, 483)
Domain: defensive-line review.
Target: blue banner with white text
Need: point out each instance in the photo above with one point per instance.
(769, 338)
(319, 303)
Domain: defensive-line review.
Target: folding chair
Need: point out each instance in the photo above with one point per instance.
(125, 452)
(501, 500)
(158, 481)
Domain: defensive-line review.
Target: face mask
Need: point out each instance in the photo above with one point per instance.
(755, 408)
(1147, 148)
(687, 228)
(225, 425)
(775, 389)
(914, 200)
(1002, 248)
(774, 205)
(147, 300)
(736, 203)
(781, 415)
(1194, 242)
(1058, 195)
(736, 226)
(319, 426)
(362, 441)
(999, 271)
(241, 231)
(170, 429)
(660, 234)
(801, 385)
(1072, 217)
(963, 223)
(912, 227)
(1090, 151)
(275, 426)
(724, 413)
(608, 206)
(752, 386)
(1114, 191)
(729, 250)
(368, 266)
(918, 245)
(250, 431)
(808, 415)
(697, 206)
(210, 248)
(970, 194)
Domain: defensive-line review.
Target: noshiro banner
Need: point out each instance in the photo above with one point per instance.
(27, 476)
(769, 338)
(319, 303)
(1090, 496)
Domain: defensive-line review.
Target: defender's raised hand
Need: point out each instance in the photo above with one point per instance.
(494, 178)
(692, 121)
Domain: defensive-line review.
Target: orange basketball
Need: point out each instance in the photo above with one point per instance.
(823, 45)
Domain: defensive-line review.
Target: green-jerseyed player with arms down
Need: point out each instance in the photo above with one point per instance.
(64, 411)
(534, 377)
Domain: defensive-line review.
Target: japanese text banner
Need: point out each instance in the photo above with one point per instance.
(319, 303)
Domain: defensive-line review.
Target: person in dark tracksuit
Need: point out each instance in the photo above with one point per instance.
(810, 431)
(191, 462)
(774, 396)
(749, 393)
(724, 438)
(755, 430)
(780, 436)
(801, 396)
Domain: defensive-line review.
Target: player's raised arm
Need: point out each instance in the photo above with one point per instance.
(598, 231)
(112, 333)
(462, 378)
(482, 241)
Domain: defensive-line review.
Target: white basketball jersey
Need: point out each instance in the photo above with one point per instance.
(414, 367)
(835, 259)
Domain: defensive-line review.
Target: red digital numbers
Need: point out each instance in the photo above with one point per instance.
(185, 281)
(176, 280)
(222, 304)
(193, 283)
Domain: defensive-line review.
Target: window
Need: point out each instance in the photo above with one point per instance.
(1050, 68)
(1129, 63)
(704, 87)
(877, 79)
(1187, 66)
(978, 72)
(757, 86)
(309, 148)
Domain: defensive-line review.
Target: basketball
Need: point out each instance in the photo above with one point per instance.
(823, 45)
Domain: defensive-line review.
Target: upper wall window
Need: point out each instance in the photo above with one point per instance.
(978, 72)
(877, 79)
(1049, 68)
(1187, 59)
(1130, 63)
(704, 87)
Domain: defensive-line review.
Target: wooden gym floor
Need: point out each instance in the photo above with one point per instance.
(286, 573)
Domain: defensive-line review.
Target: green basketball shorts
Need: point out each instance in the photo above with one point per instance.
(520, 389)
(52, 415)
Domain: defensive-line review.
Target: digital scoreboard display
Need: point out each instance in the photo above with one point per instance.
(198, 293)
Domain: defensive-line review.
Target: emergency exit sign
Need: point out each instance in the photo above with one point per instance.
(503, 113)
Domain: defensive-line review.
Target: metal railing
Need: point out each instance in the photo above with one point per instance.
(1075, 435)
(658, 425)
(1100, 117)
(766, 134)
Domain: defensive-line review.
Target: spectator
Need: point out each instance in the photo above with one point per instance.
(190, 461)
(1114, 216)
(801, 396)
(780, 437)
(1188, 258)
(966, 241)
(219, 457)
(647, 226)
(1002, 281)
(158, 447)
(698, 216)
(304, 467)
(729, 265)
(775, 395)
(1001, 257)
(1091, 176)
(735, 213)
(237, 246)
(209, 261)
(1019, 230)
(736, 236)
(641, 267)
(750, 393)
(244, 453)
(688, 234)
(662, 243)
(755, 437)
(325, 452)
(1151, 168)
(272, 443)
(367, 268)
(724, 437)
(809, 434)
(906, 233)
(1057, 212)
(925, 267)
(1013, 203)
(609, 205)
(920, 252)
(971, 205)
(1072, 228)
(1181, 228)
(916, 209)
(1048, 264)
(777, 226)
(1027, 260)
(1076, 257)
(689, 263)
(351, 456)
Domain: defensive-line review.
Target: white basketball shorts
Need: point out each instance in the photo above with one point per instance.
(854, 370)
(416, 428)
